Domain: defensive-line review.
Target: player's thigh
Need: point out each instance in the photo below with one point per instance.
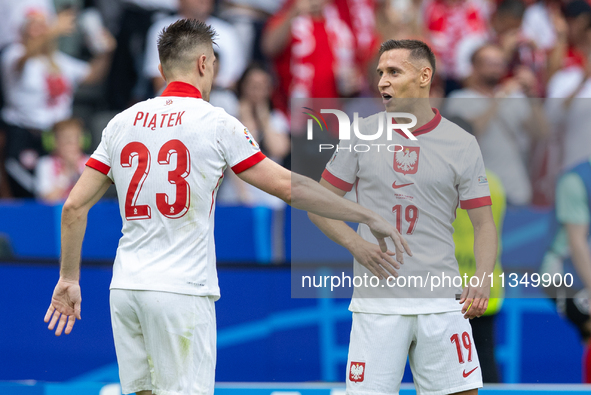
(134, 371)
(180, 338)
(378, 350)
(444, 358)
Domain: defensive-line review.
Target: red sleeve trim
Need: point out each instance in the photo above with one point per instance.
(336, 182)
(475, 203)
(248, 162)
(99, 166)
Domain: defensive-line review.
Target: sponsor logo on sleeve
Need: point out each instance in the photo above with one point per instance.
(482, 180)
(250, 139)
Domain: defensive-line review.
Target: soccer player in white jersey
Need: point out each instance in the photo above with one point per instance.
(166, 156)
(418, 189)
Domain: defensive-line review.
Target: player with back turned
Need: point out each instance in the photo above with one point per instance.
(166, 157)
(418, 189)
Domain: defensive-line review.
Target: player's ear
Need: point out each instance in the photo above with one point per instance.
(425, 76)
(201, 64)
(161, 72)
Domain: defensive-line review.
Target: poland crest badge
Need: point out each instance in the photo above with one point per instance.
(407, 160)
(357, 372)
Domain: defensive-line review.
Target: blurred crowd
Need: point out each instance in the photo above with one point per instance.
(69, 65)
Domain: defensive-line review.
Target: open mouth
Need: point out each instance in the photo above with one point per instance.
(386, 97)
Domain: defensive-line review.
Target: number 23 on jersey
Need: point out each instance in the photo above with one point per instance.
(177, 177)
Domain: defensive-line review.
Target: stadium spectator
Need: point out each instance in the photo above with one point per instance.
(39, 84)
(570, 249)
(505, 30)
(220, 96)
(248, 18)
(573, 36)
(399, 19)
(504, 128)
(228, 44)
(447, 22)
(539, 22)
(314, 51)
(14, 14)
(570, 116)
(57, 174)
(268, 126)
(124, 85)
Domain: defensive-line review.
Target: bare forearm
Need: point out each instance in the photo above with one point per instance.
(581, 259)
(310, 196)
(276, 39)
(485, 248)
(99, 66)
(73, 229)
(337, 231)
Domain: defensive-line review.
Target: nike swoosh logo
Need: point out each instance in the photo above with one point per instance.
(469, 373)
(400, 186)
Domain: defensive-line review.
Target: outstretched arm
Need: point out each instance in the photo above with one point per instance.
(66, 298)
(475, 299)
(305, 194)
(379, 263)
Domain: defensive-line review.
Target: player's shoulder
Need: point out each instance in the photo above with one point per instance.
(122, 118)
(457, 133)
(371, 122)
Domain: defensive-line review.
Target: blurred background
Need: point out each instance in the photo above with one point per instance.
(514, 73)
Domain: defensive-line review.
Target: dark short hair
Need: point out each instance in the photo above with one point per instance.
(254, 66)
(514, 8)
(476, 53)
(418, 50)
(177, 40)
(576, 8)
(68, 123)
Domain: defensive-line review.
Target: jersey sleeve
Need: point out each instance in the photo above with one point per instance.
(572, 206)
(473, 183)
(341, 171)
(237, 145)
(100, 160)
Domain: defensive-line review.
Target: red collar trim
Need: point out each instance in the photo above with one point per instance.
(181, 89)
(426, 128)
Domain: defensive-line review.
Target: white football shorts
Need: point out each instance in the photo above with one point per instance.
(165, 342)
(439, 346)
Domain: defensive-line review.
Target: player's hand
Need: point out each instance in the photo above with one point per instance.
(65, 306)
(475, 300)
(380, 264)
(381, 229)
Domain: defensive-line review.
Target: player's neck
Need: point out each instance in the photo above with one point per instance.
(423, 112)
(188, 80)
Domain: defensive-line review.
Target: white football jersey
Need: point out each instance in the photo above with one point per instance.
(166, 157)
(418, 189)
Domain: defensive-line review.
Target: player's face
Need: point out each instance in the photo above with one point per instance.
(401, 78)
